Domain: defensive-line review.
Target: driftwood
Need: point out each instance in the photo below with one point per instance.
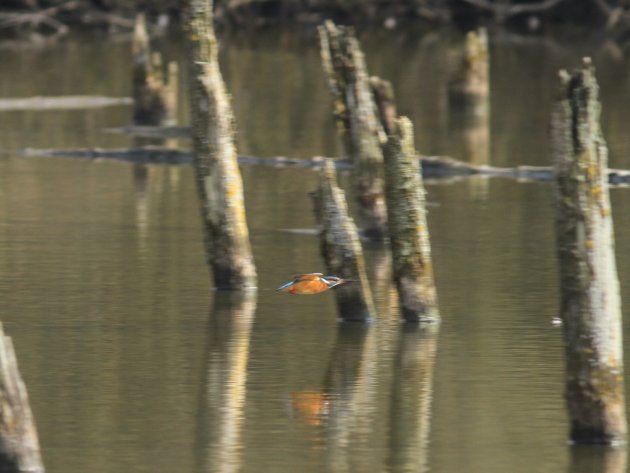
(408, 230)
(19, 444)
(69, 102)
(163, 132)
(341, 248)
(440, 168)
(219, 182)
(590, 306)
(505, 9)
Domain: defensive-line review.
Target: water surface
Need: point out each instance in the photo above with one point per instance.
(133, 364)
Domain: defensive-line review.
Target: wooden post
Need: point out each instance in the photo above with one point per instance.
(19, 445)
(408, 231)
(357, 121)
(341, 248)
(383, 94)
(153, 103)
(219, 182)
(590, 303)
(470, 85)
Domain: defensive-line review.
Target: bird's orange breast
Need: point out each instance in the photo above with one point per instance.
(307, 287)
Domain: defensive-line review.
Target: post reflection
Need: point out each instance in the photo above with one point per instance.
(411, 399)
(223, 392)
(352, 381)
(600, 459)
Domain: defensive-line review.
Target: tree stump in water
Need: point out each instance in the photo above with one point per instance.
(19, 444)
(590, 301)
(357, 121)
(341, 248)
(155, 99)
(470, 87)
(408, 231)
(219, 182)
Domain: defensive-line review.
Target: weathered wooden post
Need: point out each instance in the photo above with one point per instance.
(154, 99)
(408, 231)
(590, 303)
(341, 248)
(357, 121)
(219, 182)
(19, 444)
(383, 94)
(470, 85)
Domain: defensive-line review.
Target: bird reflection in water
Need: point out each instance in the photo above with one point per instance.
(312, 407)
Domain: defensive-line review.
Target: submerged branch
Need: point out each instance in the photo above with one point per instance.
(433, 167)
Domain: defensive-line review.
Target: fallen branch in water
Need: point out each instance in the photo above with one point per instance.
(66, 102)
(433, 167)
(165, 132)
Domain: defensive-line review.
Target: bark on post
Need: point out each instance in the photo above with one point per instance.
(153, 96)
(590, 303)
(408, 231)
(219, 182)
(357, 121)
(19, 444)
(470, 86)
(341, 248)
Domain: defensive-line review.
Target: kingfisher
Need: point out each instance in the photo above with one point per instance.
(312, 283)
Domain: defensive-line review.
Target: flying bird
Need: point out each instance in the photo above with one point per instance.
(312, 283)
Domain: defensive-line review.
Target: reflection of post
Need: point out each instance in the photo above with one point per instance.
(590, 302)
(351, 382)
(600, 459)
(411, 399)
(19, 445)
(222, 398)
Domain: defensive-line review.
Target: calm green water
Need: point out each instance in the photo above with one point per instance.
(133, 364)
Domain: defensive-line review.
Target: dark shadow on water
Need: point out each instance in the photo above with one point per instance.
(223, 383)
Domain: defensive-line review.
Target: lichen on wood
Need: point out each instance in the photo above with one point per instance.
(590, 302)
(219, 182)
(341, 248)
(408, 231)
(19, 444)
(356, 119)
